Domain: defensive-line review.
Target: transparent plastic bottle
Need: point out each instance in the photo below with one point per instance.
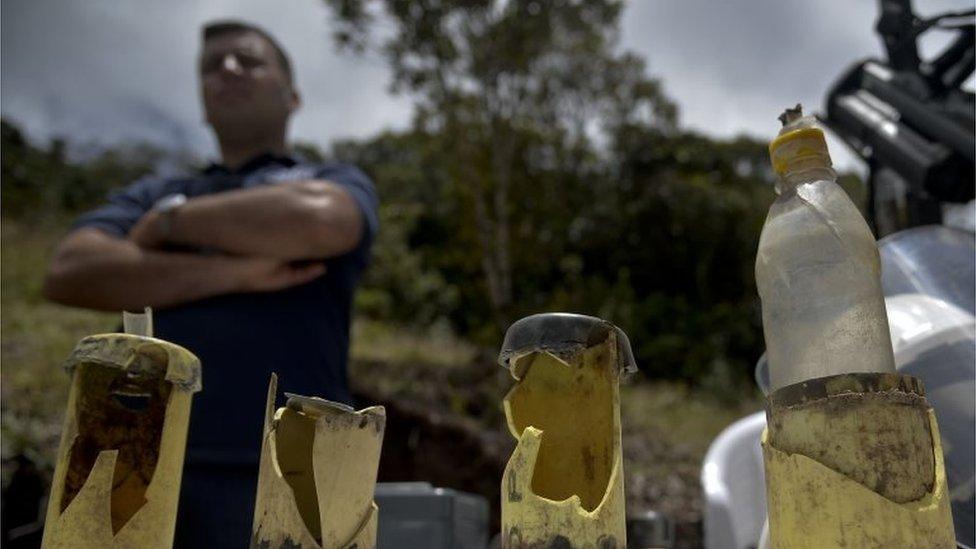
(817, 268)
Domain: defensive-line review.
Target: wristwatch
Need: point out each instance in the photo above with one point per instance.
(166, 208)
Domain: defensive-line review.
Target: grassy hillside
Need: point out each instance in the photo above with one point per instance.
(35, 336)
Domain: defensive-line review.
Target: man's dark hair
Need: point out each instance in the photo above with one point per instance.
(219, 28)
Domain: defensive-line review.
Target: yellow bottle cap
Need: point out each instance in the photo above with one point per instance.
(799, 145)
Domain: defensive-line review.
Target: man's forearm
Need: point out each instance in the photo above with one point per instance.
(301, 220)
(101, 272)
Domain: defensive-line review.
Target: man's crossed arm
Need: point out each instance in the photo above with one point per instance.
(262, 232)
(302, 220)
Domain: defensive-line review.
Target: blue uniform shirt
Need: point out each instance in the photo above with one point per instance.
(302, 333)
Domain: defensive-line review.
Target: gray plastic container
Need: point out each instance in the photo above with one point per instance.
(415, 515)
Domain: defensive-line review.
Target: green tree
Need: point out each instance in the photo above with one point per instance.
(39, 181)
(518, 93)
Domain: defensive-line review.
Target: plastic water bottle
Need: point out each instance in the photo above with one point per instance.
(817, 268)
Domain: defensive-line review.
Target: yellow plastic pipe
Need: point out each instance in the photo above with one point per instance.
(855, 460)
(319, 461)
(563, 485)
(117, 478)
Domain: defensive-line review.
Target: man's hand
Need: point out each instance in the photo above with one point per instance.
(146, 232)
(253, 274)
(259, 274)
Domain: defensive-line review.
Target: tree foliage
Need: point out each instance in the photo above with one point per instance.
(659, 238)
(37, 180)
(546, 171)
(510, 89)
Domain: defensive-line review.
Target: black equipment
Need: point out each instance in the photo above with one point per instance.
(910, 119)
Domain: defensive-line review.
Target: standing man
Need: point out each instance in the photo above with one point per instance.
(251, 265)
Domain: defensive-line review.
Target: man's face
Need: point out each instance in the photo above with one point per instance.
(246, 90)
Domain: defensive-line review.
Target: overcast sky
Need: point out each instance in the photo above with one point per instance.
(109, 71)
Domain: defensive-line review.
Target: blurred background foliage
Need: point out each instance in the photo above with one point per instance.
(544, 170)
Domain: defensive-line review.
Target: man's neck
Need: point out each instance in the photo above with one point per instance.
(235, 154)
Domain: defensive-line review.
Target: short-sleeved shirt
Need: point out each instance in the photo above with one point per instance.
(301, 333)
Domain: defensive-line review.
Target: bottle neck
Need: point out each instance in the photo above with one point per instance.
(789, 180)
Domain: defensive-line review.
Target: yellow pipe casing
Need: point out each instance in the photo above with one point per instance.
(319, 461)
(855, 460)
(564, 484)
(120, 462)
